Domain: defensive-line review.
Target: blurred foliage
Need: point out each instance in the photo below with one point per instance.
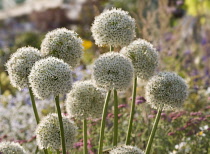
(197, 7)
(28, 39)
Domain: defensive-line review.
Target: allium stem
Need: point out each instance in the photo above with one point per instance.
(35, 111)
(34, 105)
(57, 151)
(115, 118)
(85, 150)
(100, 148)
(132, 112)
(149, 144)
(61, 124)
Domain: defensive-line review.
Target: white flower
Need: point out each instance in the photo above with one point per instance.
(144, 58)
(48, 132)
(113, 70)
(11, 148)
(166, 89)
(125, 149)
(50, 76)
(19, 65)
(63, 44)
(85, 100)
(113, 28)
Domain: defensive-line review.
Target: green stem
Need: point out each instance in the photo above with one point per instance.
(110, 48)
(61, 124)
(34, 105)
(149, 144)
(132, 112)
(85, 150)
(115, 118)
(57, 151)
(100, 148)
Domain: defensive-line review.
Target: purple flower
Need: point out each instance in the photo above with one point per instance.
(171, 133)
(78, 144)
(122, 106)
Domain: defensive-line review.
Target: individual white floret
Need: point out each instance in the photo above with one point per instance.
(125, 149)
(113, 70)
(85, 100)
(50, 76)
(63, 44)
(11, 148)
(166, 89)
(144, 58)
(48, 132)
(113, 28)
(19, 65)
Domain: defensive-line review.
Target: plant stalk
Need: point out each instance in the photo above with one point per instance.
(100, 148)
(132, 112)
(152, 135)
(85, 150)
(61, 124)
(115, 118)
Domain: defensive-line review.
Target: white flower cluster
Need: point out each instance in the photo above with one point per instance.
(166, 89)
(50, 76)
(11, 148)
(144, 58)
(113, 70)
(48, 132)
(113, 28)
(63, 44)
(20, 64)
(85, 101)
(125, 149)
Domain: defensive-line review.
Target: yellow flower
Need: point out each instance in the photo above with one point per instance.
(87, 44)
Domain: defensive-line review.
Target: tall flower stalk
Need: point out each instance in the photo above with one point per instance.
(132, 112)
(61, 124)
(152, 135)
(85, 150)
(104, 114)
(115, 118)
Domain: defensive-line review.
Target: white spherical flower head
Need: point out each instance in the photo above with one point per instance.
(48, 132)
(50, 76)
(113, 28)
(19, 65)
(11, 148)
(144, 58)
(85, 100)
(63, 44)
(125, 149)
(113, 70)
(166, 89)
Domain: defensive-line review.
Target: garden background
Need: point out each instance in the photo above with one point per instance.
(179, 29)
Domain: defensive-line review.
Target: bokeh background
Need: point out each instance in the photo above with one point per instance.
(179, 29)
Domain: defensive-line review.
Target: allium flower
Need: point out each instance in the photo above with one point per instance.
(50, 76)
(11, 148)
(126, 150)
(63, 44)
(113, 28)
(20, 64)
(85, 100)
(48, 132)
(113, 70)
(144, 58)
(166, 89)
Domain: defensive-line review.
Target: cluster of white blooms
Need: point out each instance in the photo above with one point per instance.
(125, 149)
(20, 64)
(113, 70)
(48, 132)
(11, 148)
(168, 89)
(113, 28)
(144, 58)
(50, 76)
(85, 100)
(63, 44)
